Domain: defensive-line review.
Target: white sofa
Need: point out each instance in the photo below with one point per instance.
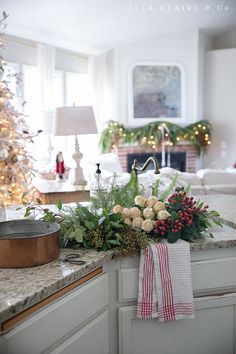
(218, 181)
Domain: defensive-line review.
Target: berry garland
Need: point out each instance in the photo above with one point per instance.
(197, 134)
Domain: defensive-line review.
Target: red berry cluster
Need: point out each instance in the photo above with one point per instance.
(186, 207)
(162, 226)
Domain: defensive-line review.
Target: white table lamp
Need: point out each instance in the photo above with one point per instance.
(75, 120)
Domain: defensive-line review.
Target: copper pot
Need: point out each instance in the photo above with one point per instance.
(28, 243)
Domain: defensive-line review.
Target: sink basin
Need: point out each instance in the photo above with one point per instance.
(28, 243)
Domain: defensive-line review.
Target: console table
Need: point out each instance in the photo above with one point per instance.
(53, 191)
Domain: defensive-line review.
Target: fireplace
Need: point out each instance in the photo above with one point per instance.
(186, 161)
(177, 160)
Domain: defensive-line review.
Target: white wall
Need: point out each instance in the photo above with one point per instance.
(179, 49)
(204, 43)
(225, 40)
(220, 103)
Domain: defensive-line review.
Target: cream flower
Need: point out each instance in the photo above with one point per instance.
(137, 222)
(151, 201)
(135, 213)
(159, 206)
(147, 225)
(127, 221)
(126, 212)
(148, 213)
(140, 200)
(163, 214)
(117, 209)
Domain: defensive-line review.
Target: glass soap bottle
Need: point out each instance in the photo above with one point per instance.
(97, 182)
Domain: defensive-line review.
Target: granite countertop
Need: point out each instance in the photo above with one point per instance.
(225, 205)
(22, 288)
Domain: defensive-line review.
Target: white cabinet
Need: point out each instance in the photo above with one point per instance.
(211, 332)
(75, 315)
(99, 317)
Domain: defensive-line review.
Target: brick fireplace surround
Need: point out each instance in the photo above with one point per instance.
(123, 150)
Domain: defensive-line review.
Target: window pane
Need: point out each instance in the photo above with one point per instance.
(31, 94)
(78, 90)
(14, 82)
(58, 89)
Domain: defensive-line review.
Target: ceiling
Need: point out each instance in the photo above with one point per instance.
(94, 26)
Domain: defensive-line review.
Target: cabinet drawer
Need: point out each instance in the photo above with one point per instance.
(207, 275)
(58, 319)
(92, 339)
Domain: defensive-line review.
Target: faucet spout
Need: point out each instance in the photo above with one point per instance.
(136, 167)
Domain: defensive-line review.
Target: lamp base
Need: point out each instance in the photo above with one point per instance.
(77, 173)
(77, 177)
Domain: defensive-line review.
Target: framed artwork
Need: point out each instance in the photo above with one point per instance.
(156, 92)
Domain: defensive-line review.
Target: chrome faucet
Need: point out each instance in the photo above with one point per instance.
(136, 167)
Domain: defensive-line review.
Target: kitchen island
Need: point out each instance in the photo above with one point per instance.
(58, 307)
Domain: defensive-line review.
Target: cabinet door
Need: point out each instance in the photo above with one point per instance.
(92, 339)
(211, 332)
(57, 320)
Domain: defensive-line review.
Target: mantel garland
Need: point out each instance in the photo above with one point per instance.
(197, 134)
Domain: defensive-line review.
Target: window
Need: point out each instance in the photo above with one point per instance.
(68, 88)
(31, 94)
(78, 90)
(14, 82)
(58, 88)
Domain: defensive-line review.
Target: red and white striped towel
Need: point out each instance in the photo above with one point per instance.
(165, 284)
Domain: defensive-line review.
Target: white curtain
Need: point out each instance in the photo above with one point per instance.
(46, 67)
(101, 71)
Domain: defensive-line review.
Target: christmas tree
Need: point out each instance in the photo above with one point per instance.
(15, 162)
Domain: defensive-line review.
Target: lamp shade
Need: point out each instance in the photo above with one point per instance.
(74, 120)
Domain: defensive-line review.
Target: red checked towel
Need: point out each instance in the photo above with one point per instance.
(165, 285)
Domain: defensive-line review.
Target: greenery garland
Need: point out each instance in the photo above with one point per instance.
(197, 134)
(123, 218)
